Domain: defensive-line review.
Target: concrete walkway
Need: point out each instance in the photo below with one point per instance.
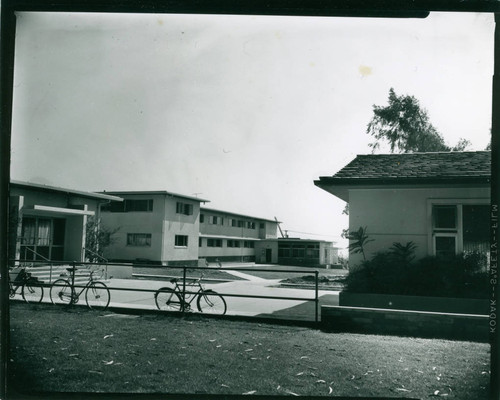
(298, 304)
(300, 307)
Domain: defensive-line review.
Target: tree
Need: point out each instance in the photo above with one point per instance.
(97, 238)
(358, 239)
(406, 127)
(345, 232)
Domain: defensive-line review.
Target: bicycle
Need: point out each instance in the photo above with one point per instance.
(31, 287)
(208, 301)
(97, 295)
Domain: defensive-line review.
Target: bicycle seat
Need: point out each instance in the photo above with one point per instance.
(174, 280)
(70, 269)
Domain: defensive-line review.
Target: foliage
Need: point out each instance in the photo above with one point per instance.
(359, 239)
(395, 272)
(403, 253)
(405, 125)
(344, 261)
(98, 238)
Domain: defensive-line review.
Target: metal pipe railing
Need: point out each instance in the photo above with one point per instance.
(186, 278)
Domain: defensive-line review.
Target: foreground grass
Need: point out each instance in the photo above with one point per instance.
(77, 350)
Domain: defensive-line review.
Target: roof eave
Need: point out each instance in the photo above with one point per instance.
(48, 188)
(331, 180)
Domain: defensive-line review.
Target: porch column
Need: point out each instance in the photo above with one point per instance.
(15, 226)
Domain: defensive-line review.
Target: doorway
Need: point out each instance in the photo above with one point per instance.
(269, 255)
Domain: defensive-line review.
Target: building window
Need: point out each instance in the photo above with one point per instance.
(458, 228)
(476, 233)
(202, 218)
(181, 241)
(445, 217)
(445, 245)
(249, 244)
(130, 205)
(261, 225)
(213, 220)
(184, 208)
(139, 239)
(214, 242)
(241, 224)
(200, 242)
(233, 243)
(233, 222)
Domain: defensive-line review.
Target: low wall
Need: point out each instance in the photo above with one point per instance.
(120, 271)
(415, 303)
(405, 323)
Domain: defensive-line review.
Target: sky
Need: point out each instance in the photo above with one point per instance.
(244, 111)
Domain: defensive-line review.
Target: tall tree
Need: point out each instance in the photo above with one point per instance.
(405, 126)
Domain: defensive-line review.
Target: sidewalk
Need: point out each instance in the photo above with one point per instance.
(301, 307)
(298, 305)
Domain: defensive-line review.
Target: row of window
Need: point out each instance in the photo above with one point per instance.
(144, 240)
(297, 252)
(145, 205)
(238, 223)
(229, 243)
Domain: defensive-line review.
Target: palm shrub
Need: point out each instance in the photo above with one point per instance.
(395, 272)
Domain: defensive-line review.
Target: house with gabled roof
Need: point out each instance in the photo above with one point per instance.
(439, 201)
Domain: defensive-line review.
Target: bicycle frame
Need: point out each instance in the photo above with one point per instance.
(183, 292)
(75, 296)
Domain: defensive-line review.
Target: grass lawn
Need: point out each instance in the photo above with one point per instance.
(281, 271)
(78, 350)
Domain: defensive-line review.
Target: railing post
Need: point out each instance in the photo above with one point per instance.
(183, 288)
(73, 270)
(316, 297)
(50, 274)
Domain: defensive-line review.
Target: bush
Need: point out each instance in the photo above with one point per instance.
(394, 272)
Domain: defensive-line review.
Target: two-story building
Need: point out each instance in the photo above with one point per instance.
(153, 226)
(227, 236)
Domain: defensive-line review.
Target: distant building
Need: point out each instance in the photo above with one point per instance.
(439, 201)
(173, 229)
(227, 236)
(49, 223)
(299, 252)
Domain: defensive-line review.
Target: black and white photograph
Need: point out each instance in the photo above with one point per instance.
(217, 204)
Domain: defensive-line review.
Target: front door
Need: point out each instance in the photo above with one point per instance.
(269, 255)
(42, 238)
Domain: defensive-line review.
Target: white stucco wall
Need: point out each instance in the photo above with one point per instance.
(163, 223)
(401, 215)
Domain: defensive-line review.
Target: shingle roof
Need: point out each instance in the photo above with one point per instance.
(415, 167)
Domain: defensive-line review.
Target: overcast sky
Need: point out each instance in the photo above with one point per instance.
(244, 111)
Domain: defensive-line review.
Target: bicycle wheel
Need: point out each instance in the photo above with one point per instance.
(167, 299)
(210, 302)
(97, 296)
(32, 293)
(61, 292)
